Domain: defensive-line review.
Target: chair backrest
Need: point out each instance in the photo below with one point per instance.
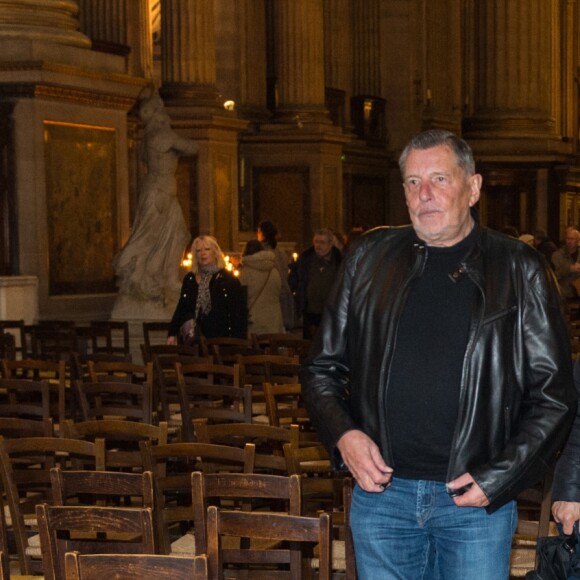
(25, 471)
(114, 370)
(17, 329)
(211, 488)
(134, 567)
(122, 439)
(116, 334)
(269, 441)
(27, 398)
(172, 465)
(7, 345)
(273, 526)
(225, 349)
(155, 332)
(101, 487)
(91, 529)
(79, 363)
(54, 339)
(149, 351)
(165, 377)
(121, 400)
(213, 392)
(34, 369)
(255, 369)
(284, 405)
(13, 427)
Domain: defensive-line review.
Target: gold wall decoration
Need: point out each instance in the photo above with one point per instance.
(81, 194)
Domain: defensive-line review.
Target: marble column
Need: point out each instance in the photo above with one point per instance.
(516, 86)
(188, 65)
(366, 66)
(299, 26)
(53, 21)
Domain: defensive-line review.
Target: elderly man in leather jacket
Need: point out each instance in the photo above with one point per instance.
(441, 378)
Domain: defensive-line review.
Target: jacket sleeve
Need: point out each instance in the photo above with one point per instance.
(548, 399)
(325, 376)
(185, 306)
(567, 475)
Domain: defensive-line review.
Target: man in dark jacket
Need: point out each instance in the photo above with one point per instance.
(312, 277)
(441, 378)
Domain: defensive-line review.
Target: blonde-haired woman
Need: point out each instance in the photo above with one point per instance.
(210, 296)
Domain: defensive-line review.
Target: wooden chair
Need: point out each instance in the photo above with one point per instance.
(7, 346)
(324, 489)
(54, 340)
(172, 465)
(269, 441)
(165, 379)
(282, 344)
(79, 363)
(28, 399)
(122, 439)
(213, 392)
(101, 488)
(273, 526)
(126, 372)
(225, 349)
(17, 329)
(25, 471)
(120, 400)
(52, 371)
(90, 530)
(224, 488)
(285, 407)
(155, 332)
(150, 351)
(116, 334)
(133, 567)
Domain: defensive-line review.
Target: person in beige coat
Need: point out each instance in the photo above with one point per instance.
(260, 275)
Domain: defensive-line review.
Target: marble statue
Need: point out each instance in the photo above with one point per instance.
(147, 267)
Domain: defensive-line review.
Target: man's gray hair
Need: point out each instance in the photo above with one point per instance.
(434, 138)
(329, 234)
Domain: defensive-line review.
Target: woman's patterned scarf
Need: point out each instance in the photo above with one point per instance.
(203, 303)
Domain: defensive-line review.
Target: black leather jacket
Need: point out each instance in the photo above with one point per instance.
(517, 395)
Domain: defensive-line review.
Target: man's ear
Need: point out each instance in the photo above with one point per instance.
(475, 182)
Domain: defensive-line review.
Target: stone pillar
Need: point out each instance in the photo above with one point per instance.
(253, 46)
(366, 66)
(188, 65)
(516, 80)
(338, 57)
(299, 26)
(42, 20)
(121, 24)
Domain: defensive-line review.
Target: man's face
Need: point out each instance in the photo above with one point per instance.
(572, 241)
(322, 245)
(439, 194)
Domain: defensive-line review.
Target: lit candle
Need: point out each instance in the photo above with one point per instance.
(295, 256)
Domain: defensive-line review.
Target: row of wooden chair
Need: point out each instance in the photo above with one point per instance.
(67, 524)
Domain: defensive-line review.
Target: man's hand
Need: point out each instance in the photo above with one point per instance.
(473, 497)
(566, 513)
(364, 460)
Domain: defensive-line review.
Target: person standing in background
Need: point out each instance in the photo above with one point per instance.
(259, 274)
(312, 278)
(267, 234)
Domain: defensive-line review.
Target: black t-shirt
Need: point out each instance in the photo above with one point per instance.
(425, 375)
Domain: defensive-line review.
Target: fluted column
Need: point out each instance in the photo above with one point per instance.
(188, 65)
(366, 68)
(44, 20)
(338, 55)
(253, 47)
(517, 82)
(104, 20)
(299, 28)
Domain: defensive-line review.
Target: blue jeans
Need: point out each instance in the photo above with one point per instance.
(414, 531)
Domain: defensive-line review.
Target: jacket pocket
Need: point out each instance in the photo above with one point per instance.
(499, 315)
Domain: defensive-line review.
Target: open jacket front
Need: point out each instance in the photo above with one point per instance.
(517, 396)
